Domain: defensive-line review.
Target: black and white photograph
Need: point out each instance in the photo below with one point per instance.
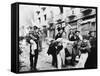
(57, 37)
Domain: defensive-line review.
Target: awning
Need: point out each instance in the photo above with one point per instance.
(89, 20)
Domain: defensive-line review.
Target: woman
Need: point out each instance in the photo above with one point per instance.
(84, 47)
(92, 59)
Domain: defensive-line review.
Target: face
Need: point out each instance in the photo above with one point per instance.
(71, 31)
(92, 34)
(77, 33)
(59, 25)
(59, 44)
(29, 30)
(61, 31)
(36, 30)
(84, 39)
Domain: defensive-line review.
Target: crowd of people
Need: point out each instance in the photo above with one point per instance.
(83, 48)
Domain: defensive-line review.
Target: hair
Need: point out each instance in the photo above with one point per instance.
(35, 27)
(91, 32)
(58, 29)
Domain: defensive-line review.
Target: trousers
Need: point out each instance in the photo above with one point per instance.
(82, 60)
(61, 59)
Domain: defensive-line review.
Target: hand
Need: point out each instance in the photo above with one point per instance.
(83, 48)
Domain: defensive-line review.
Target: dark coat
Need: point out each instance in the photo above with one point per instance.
(54, 48)
(59, 35)
(92, 58)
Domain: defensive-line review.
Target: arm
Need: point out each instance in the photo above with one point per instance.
(88, 46)
(33, 36)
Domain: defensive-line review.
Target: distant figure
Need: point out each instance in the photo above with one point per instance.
(44, 32)
(74, 36)
(67, 29)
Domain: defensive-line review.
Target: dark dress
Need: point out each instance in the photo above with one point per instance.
(92, 58)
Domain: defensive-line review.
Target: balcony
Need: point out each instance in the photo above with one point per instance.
(72, 17)
(86, 11)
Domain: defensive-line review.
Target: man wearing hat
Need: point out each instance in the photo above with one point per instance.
(79, 37)
(59, 34)
(75, 51)
(33, 40)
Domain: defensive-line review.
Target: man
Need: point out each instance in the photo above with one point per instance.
(78, 35)
(62, 45)
(71, 35)
(35, 36)
(59, 35)
(30, 40)
(33, 39)
(75, 50)
(39, 32)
